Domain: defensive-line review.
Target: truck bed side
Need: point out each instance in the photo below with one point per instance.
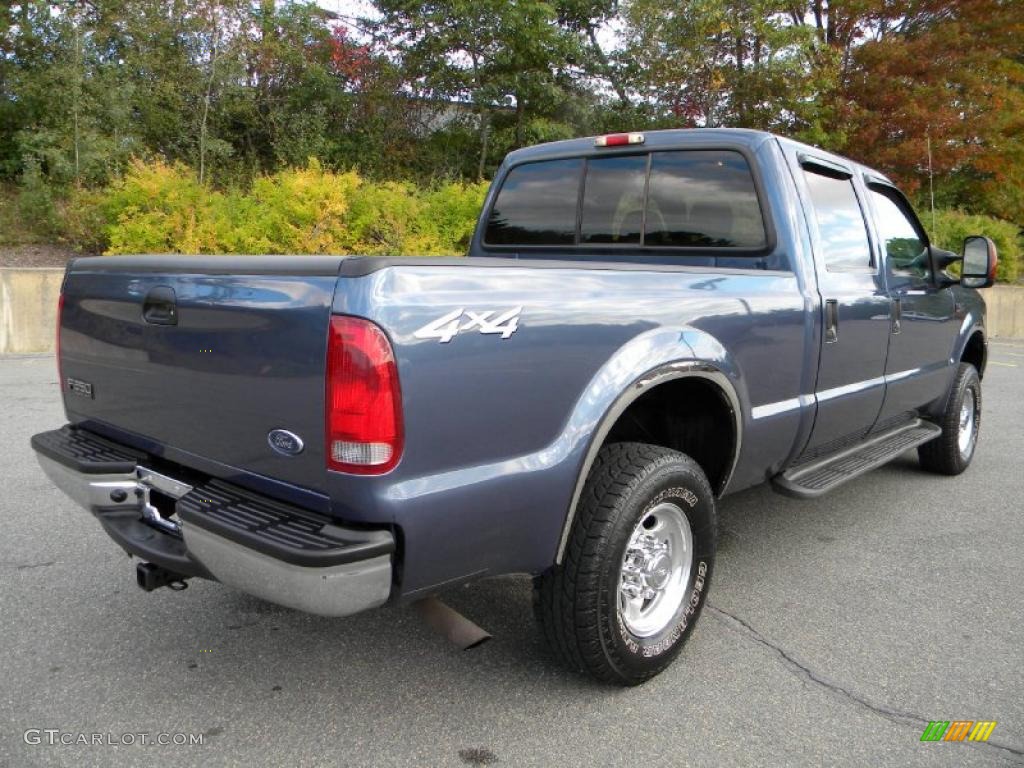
(497, 428)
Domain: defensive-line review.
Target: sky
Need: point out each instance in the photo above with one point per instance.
(352, 8)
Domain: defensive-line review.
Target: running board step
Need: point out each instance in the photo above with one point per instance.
(821, 476)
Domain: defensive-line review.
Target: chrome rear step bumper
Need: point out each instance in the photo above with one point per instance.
(259, 545)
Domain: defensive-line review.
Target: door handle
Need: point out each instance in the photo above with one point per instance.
(160, 307)
(897, 314)
(831, 321)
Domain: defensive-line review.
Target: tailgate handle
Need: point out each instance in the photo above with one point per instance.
(160, 306)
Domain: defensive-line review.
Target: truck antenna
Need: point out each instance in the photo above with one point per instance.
(931, 179)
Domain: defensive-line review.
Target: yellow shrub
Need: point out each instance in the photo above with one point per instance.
(386, 219)
(160, 208)
(294, 211)
(453, 209)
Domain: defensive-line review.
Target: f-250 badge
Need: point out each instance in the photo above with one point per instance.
(494, 321)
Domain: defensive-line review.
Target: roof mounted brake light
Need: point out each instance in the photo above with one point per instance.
(618, 139)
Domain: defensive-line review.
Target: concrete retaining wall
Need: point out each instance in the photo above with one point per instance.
(1005, 311)
(28, 309)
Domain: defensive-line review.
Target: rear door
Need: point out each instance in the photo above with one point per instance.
(205, 356)
(850, 386)
(918, 369)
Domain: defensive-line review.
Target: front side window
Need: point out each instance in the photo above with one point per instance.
(905, 246)
(703, 199)
(537, 205)
(844, 236)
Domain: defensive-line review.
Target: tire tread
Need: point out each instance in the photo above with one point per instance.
(571, 625)
(942, 455)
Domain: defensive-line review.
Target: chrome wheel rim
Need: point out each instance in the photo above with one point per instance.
(655, 570)
(965, 437)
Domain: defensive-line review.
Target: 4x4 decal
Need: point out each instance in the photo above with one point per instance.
(493, 321)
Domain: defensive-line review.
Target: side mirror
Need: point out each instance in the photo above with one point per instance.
(980, 260)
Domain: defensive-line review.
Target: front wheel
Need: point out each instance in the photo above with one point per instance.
(637, 565)
(951, 452)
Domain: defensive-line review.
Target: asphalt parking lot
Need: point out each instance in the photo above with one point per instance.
(836, 630)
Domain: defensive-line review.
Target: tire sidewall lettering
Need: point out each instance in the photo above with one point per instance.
(682, 494)
(677, 631)
(688, 501)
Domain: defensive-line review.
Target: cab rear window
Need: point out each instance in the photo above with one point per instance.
(689, 199)
(703, 200)
(537, 205)
(613, 200)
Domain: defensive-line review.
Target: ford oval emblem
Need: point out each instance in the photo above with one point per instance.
(284, 442)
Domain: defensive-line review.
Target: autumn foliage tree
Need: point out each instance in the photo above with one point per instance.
(949, 80)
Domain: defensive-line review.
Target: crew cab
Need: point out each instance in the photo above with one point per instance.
(644, 324)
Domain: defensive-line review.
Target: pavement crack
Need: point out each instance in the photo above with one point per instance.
(742, 627)
(27, 566)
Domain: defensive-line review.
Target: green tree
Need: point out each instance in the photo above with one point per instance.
(708, 63)
(498, 56)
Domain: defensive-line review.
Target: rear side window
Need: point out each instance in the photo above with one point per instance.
(613, 200)
(703, 199)
(537, 205)
(844, 235)
(682, 199)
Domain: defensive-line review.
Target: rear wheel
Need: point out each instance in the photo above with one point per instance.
(951, 452)
(637, 565)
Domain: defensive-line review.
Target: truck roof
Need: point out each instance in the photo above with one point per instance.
(677, 138)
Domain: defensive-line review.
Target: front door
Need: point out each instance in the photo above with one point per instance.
(850, 387)
(919, 370)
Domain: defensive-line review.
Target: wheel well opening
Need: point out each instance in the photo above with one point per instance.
(690, 415)
(974, 352)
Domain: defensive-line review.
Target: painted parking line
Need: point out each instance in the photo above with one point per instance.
(1005, 365)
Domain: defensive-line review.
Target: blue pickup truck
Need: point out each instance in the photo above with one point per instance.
(644, 324)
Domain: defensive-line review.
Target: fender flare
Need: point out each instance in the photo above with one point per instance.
(972, 324)
(640, 386)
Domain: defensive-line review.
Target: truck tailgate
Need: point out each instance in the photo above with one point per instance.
(204, 355)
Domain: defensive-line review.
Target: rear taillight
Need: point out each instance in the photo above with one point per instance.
(60, 321)
(364, 402)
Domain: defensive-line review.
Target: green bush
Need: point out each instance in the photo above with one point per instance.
(83, 220)
(35, 202)
(952, 226)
